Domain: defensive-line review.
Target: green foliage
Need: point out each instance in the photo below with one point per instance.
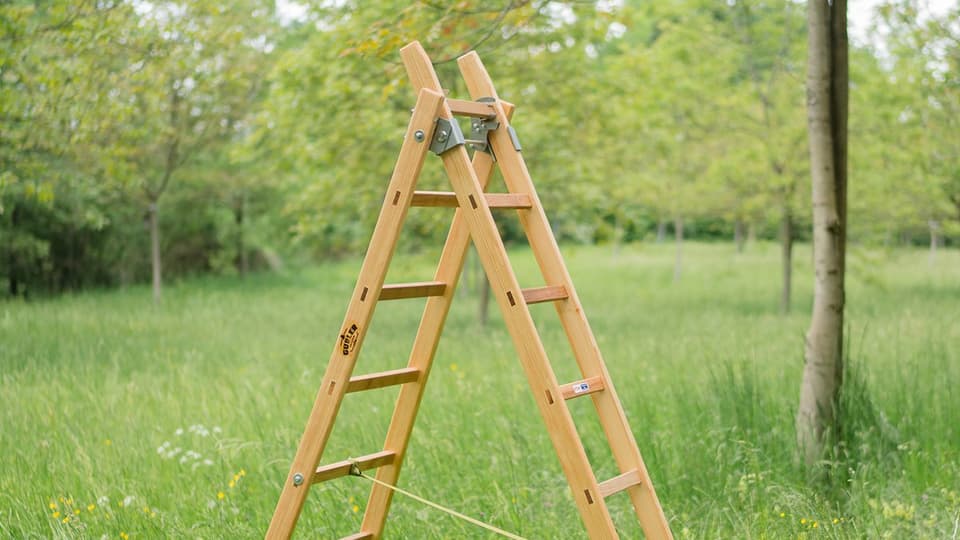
(259, 135)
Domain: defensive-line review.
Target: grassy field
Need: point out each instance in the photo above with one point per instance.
(121, 419)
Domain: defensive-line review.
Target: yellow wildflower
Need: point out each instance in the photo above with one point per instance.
(53, 505)
(220, 495)
(815, 524)
(232, 483)
(124, 535)
(783, 514)
(76, 512)
(107, 442)
(66, 519)
(803, 521)
(356, 509)
(90, 507)
(243, 472)
(56, 515)
(835, 521)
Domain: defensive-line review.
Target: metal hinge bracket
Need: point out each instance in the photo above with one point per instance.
(446, 135)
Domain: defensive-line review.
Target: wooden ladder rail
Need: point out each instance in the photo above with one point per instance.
(431, 322)
(508, 293)
(358, 316)
(586, 351)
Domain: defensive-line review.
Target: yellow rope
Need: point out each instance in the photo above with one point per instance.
(355, 471)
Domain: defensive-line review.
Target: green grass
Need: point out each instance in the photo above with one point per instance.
(99, 389)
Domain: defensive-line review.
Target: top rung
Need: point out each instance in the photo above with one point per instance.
(473, 109)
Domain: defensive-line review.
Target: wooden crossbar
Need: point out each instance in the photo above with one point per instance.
(448, 199)
(544, 294)
(383, 379)
(359, 536)
(474, 109)
(342, 468)
(582, 387)
(619, 483)
(472, 221)
(412, 290)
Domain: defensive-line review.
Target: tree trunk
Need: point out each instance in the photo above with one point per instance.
(786, 258)
(484, 308)
(739, 238)
(817, 417)
(678, 239)
(617, 236)
(12, 281)
(661, 230)
(238, 216)
(153, 210)
(935, 240)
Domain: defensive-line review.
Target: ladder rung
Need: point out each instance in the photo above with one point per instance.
(342, 468)
(412, 290)
(382, 379)
(448, 199)
(580, 388)
(619, 483)
(359, 536)
(544, 294)
(475, 109)
(508, 200)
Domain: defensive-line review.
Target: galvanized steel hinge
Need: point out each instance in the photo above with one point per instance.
(446, 135)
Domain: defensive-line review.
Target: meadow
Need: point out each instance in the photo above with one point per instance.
(125, 420)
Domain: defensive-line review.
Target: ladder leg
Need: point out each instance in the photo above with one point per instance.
(362, 304)
(544, 246)
(421, 357)
(533, 357)
(431, 323)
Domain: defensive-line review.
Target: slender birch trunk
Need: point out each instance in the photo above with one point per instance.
(678, 239)
(786, 259)
(817, 416)
(152, 210)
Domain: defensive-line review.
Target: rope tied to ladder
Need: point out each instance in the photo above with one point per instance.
(355, 471)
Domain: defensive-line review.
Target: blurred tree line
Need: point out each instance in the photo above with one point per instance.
(161, 138)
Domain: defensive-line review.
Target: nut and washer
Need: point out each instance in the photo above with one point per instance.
(297, 479)
(418, 135)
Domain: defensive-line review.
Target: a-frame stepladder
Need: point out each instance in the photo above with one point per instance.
(433, 128)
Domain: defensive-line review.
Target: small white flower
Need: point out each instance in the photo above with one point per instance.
(183, 460)
(208, 462)
(216, 429)
(103, 500)
(128, 500)
(178, 432)
(211, 503)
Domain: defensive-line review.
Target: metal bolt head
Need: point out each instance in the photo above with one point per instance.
(418, 135)
(297, 479)
(442, 137)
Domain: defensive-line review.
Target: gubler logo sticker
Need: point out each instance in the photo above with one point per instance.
(348, 339)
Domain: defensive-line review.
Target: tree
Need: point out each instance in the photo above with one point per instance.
(190, 72)
(827, 97)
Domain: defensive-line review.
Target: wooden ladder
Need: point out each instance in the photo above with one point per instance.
(434, 128)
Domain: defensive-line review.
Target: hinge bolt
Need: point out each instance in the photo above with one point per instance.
(297, 479)
(419, 136)
(442, 137)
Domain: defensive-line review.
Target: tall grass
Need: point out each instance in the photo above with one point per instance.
(124, 419)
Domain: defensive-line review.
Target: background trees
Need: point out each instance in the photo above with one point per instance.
(191, 136)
